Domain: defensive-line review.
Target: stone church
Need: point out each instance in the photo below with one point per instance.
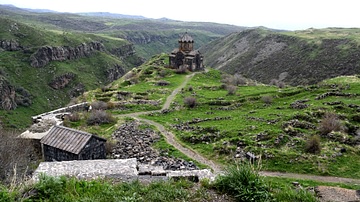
(185, 56)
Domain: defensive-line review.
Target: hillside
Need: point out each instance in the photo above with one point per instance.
(43, 69)
(309, 129)
(300, 57)
(150, 36)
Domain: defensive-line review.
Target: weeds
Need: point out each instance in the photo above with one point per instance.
(244, 182)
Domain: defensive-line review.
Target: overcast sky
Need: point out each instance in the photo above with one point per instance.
(279, 14)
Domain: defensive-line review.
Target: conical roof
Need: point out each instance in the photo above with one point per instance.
(186, 38)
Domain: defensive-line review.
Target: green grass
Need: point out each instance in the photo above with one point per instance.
(70, 189)
(249, 116)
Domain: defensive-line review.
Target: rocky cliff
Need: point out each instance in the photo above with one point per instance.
(7, 95)
(10, 45)
(45, 54)
(306, 57)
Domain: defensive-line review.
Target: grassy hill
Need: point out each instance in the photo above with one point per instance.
(150, 36)
(309, 129)
(300, 57)
(87, 72)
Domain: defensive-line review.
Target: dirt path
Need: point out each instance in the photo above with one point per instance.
(170, 137)
(311, 177)
(172, 140)
(171, 97)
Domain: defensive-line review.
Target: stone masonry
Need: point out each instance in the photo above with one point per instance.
(120, 169)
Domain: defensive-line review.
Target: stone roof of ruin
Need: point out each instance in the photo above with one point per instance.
(186, 38)
(68, 139)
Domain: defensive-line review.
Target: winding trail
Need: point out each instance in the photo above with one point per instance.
(217, 168)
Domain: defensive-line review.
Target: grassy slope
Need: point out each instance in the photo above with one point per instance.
(15, 65)
(307, 56)
(250, 116)
(149, 35)
(253, 122)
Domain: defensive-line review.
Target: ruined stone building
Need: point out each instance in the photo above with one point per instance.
(185, 56)
(66, 144)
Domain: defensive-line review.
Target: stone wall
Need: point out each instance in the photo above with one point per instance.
(119, 169)
(73, 108)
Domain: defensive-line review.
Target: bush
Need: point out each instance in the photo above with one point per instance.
(163, 73)
(231, 89)
(239, 80)
(243, 182)
(267, 99)
(329, 123)
(163, 83)
(281, 84)
(73, 117)
(98, 117)
(313, 145)
(99, 105)
(190, 102)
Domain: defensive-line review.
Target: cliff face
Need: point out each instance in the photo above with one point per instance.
(10, 45)
(115, 73)
(45, 54)
(7, 95)
(264, 55)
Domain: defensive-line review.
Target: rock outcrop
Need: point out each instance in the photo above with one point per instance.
(10, 45)
(62, 81)
(46, 54)
(123, 51)
(115, 73)
(7, 95)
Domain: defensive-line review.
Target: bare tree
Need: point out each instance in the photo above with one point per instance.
(16, 156)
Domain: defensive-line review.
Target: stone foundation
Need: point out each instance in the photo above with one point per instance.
(125, 170)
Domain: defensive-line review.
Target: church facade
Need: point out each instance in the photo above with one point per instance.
(185, 56)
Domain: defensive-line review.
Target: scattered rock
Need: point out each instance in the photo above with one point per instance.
(132, 142)
(299, 104)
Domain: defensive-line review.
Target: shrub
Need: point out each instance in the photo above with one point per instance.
(73, 117)
(163, 83)
(98, 117)
(163, 73)
(110, 105)
(239, 80)
(267, 99)
(281, 84)
(231, 89)
(329, 123)
(190, 102)
(190, 88)
(313, 145)
(244, 182)
(99, 105)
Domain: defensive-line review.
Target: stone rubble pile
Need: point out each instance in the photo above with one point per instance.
(133, 142)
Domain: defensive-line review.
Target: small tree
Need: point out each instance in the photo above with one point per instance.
(313, 145)
(190, 102)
